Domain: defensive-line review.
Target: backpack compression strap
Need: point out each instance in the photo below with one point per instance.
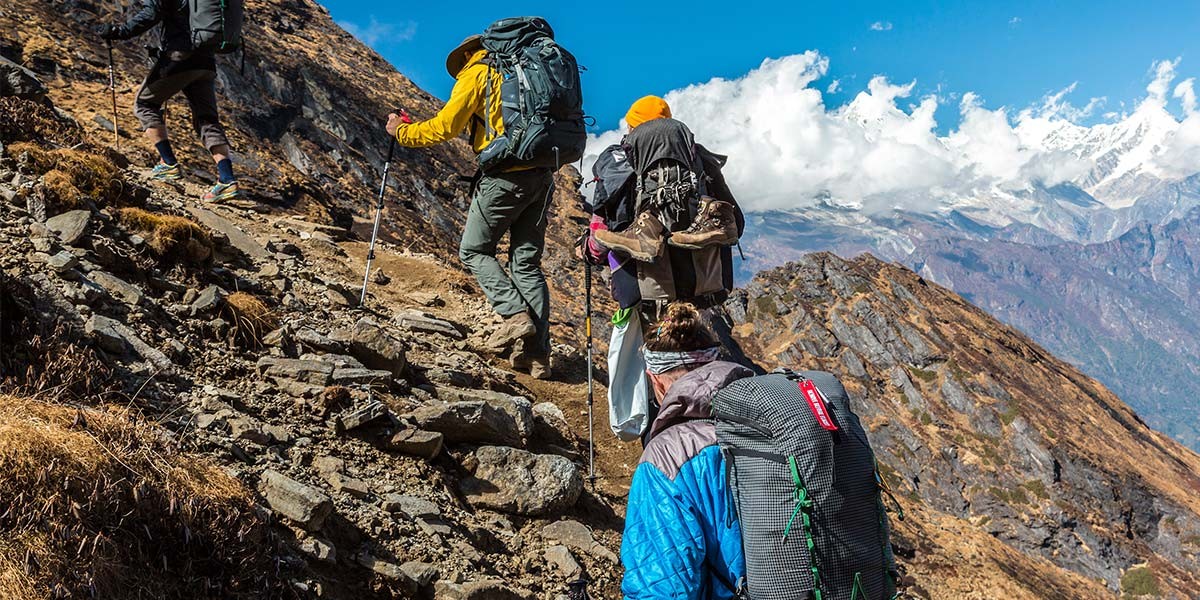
(804, 506)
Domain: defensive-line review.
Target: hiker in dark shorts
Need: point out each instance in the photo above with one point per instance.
(178, 69)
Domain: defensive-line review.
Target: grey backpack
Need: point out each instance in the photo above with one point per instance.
(540, 96)
(806, 489)
(216, 24)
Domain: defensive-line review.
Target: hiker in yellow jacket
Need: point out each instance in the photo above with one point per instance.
(512, 202)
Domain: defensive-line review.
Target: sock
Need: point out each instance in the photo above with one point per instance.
(225, 170)
(165, 152)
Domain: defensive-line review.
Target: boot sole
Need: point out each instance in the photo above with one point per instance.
(702, 246)
(638, 256)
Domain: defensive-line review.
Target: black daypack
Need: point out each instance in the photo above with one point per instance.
(540, 96)
(806, 489)
(613, 194)
(668, 174)
(216, 24)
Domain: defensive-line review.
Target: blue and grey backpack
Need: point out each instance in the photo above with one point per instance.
(806, 489)
(541, 100)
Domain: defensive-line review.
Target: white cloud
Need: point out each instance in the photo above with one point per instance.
(376, 31)
(1164, 73)
(834, 87)
(881, 26)
(1013, 22)
(882, 149)
(1186, 92)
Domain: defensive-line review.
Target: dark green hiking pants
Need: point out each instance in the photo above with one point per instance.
(513, 203)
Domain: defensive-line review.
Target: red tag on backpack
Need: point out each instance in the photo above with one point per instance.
(816, 402)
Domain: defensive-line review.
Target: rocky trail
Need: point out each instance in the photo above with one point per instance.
(392, 452)
(193, 406)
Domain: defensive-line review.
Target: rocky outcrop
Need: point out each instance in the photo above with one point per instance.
(973, 421)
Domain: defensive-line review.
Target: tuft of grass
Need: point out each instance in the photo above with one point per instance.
(91, 175)
(1139, 581)
(924, 375)
(1014, 495)
(1038, 488)
(252, 318)
(26, 120)
(169, 236)
(95, 503)
(1010, 414)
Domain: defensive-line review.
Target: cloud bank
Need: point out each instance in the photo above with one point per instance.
(882, 150)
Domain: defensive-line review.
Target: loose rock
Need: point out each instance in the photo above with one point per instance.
(304, 504)
(522, 483)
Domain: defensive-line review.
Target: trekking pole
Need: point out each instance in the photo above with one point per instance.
(387, 165)
(587, 307)
(112, 86)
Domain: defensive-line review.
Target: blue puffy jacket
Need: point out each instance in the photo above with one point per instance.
(682, 538)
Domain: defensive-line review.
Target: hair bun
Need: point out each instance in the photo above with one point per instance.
(682, 329)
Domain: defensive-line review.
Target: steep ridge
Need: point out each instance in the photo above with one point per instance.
(1124, 311)
(247, 388)
(975, 423)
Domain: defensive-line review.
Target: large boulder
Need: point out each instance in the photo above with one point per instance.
(506, 420)
(521, 483)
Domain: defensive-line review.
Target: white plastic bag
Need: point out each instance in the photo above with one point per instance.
(628, 386)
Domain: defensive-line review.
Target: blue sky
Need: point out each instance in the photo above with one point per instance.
(1009, 53)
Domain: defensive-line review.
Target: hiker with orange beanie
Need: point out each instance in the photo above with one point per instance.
(663, 221)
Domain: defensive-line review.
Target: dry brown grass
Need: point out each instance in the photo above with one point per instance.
(251, 317)
(169, 236)
(29, 121)
(75, 174)
(94, 503)
(40, 47)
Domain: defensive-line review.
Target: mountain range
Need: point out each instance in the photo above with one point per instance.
(1103, 269)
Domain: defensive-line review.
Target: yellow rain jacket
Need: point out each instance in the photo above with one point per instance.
(464, 108)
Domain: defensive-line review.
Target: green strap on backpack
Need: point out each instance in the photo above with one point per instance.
(803, 509)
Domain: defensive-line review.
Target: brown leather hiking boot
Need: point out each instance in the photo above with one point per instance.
(514, 327)
(525, 362)
(715, 225)
(643, 240)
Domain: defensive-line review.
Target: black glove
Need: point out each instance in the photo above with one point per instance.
(109, 32)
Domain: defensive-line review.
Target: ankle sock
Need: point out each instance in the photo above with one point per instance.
(225, 170)
(165, 152)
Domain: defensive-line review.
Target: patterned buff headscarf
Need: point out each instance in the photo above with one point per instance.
(658, 363)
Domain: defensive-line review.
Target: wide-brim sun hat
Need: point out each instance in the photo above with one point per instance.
(457, 59)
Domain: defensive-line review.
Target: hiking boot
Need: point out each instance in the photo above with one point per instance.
(540, 368)
(642, 241)
(514, 328)
(222, 191)
(164, 172)
(536, 366)
(715, 225)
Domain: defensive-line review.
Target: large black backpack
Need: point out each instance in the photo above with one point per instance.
(541, 100)
(216, 24)
(806, 489)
